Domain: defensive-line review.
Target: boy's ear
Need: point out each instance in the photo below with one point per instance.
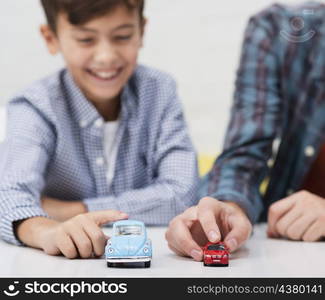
(50, 39)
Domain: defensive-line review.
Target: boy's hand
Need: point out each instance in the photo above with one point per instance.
(300, 216)
(80, 236)
(211, 220)
(62, 210)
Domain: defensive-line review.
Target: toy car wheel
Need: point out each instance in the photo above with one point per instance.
(111, 265)
(147, 264)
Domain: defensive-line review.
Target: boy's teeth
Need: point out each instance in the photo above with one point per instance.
(105, 75)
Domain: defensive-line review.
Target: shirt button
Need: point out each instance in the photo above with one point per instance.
(100, 161)
(309, 151)
(99, 123)
(83, 124)
(270, 163)
(290, 192)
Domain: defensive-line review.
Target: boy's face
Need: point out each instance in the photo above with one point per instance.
(101, 54)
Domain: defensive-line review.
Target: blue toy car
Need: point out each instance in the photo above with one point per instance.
(129, 245)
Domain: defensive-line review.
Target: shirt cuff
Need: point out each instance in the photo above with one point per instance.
(7, 229)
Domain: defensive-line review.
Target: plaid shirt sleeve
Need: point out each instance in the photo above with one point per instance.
(175, 186)
(26, 158)
(239, 171)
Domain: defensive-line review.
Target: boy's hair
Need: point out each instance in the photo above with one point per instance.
(82, 11)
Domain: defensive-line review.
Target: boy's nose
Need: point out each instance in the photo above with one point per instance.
(105, 54)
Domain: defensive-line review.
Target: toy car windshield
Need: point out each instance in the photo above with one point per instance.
(216, 247)
(128, 230)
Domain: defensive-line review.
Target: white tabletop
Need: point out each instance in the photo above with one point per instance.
(260, 257)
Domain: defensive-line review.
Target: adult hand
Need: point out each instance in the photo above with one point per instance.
(80, 236)
(300, 216)
(62, 210)
(211, 220)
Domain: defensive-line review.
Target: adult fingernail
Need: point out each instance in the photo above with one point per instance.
(197, 255)
(232, 244)
(213, 236)
(273, 235)
(123, 215)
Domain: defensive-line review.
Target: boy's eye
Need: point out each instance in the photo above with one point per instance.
(85, 41)
(123, 37)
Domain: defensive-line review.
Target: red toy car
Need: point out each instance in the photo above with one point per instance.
(215, 254)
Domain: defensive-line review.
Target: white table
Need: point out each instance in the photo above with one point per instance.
(261, 257)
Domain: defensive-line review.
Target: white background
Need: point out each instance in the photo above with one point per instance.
(197, 41)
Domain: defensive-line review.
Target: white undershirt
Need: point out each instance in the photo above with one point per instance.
(110, 148)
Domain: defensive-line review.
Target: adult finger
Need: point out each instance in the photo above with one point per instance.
(240, 231)
(283, 223)
(315, 232)
(187, 217)
(176, 250)
(298, 228)
(208, 210)
(276, 211)
(180, 238)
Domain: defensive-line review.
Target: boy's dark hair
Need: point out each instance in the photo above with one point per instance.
(82, 11)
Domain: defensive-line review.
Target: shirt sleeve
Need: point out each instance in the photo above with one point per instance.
(255, 120)
(175, 186)
(24, 155)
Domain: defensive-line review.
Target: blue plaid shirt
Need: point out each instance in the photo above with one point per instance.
(280, 95)
(54, 147)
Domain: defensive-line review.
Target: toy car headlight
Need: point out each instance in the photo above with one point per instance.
(145, 250)
(110, 250)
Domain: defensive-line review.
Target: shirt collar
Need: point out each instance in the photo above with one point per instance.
(85, 112)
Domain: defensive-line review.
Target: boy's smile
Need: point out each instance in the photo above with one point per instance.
(101, 54)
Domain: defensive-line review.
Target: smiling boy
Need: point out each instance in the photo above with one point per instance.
(100, 140)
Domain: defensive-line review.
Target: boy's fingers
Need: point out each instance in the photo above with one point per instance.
(67, 247)
(207, 211)
(240, 231)
(81, 240)
(96, 235)
(103, 217)
(276, 211)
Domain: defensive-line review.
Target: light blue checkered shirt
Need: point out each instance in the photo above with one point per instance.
(54, 147)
